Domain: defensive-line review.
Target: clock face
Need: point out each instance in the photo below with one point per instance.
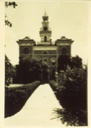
(45, 28)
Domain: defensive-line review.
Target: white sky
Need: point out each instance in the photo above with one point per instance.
(68, 19)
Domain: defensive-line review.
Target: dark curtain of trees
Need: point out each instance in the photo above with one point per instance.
(9, 71)
(75, 62)
(72, 94)
(31, 70)
(65, 60)
(28, 71)
(9, 4)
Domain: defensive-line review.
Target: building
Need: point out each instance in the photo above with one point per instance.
(44, 50)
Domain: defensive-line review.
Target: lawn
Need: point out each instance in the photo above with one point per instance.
(16, 97)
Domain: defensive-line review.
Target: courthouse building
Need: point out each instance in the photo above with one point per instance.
(45, 50)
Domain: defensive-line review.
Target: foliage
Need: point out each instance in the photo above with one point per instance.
(73, 86)
(71, 92)
(16, 97)
(8, 23)
(71, 118)
(65, 60)
(7, 4)
(31, 70)
(75, 62)
(9, 71)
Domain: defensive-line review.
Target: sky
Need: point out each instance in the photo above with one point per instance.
(69, 19)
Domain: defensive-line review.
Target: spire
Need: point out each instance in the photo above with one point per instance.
(45, 17)
(45, 13)
(45, 32)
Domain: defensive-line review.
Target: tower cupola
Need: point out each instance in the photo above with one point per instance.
(45, 17)
(45, 32)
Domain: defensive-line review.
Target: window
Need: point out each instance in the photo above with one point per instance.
(45, 52)
(64, 51)
(45, 39)
(26, 50)
(45, 60)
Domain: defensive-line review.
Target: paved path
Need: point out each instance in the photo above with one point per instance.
(38, 110)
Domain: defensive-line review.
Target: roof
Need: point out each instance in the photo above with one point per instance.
(26, 38)
(45, 17)
(64, 38)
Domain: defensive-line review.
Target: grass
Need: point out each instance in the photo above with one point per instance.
(16, 97)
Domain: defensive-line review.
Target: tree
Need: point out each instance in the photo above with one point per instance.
(9, 71)
(63, 61)
(7, 4)
(29, 70)
(9, 68)
(76, 62)
(72, 92)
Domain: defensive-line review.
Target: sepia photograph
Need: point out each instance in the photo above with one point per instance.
(46, 63)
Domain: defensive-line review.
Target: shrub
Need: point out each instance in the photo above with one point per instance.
(71, 91)
(32, 70)
(16, 97)
(65, 60)
(9, 71)
(73, 88)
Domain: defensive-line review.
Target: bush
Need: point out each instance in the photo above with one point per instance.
(65, 60)
(16, 97)
(73, 87)
(32, 70)
(71, 92)
(9, 71)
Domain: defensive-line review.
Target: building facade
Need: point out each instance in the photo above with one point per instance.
(44, 50)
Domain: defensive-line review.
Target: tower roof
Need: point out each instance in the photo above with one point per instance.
(45, 17)
(62, 40)
(26, 38)
(45, 14)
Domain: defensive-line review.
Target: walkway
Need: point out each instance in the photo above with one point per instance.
(38, 110)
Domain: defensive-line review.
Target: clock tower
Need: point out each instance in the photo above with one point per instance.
(45, 50)
(45, 32)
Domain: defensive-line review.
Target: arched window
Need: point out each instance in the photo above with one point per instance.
(64, 51)
(45, 52)
(53, 61)
(26, 50)
(45, 39)
(45, 60)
